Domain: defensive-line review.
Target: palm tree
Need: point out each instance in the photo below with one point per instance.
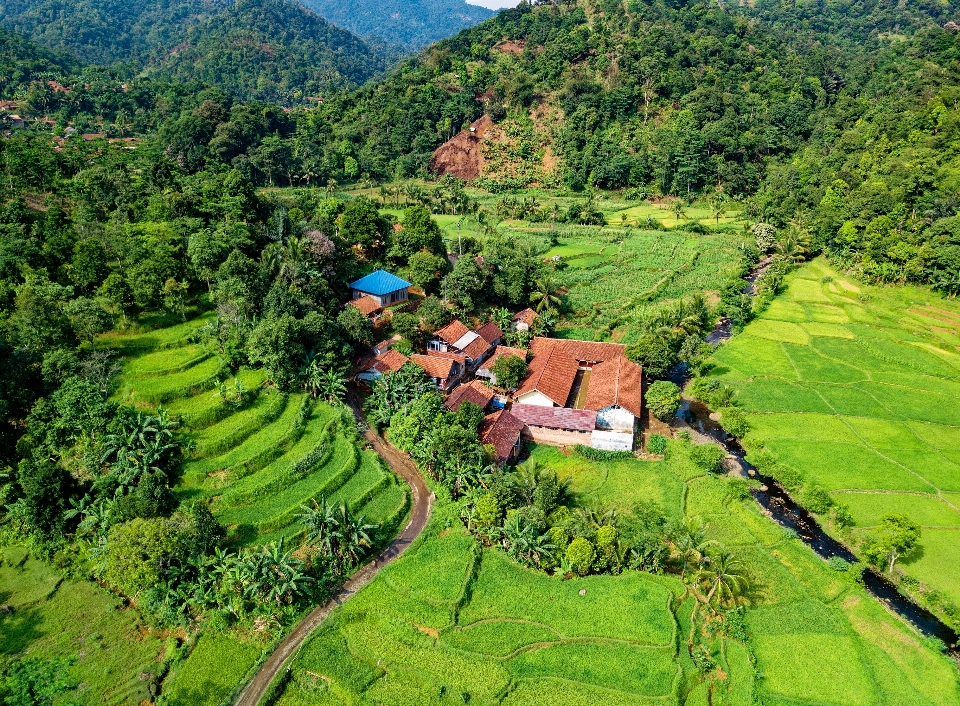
(545, 293)
(690, 542)
(523, 544)
(678, 210)
(354, 536)
(724, 576)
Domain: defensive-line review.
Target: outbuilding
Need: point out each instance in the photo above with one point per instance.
(385, 288)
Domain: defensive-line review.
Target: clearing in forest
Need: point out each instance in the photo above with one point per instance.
(857, 389)
(453, 622)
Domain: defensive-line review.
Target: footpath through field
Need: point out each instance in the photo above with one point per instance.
(419, 514)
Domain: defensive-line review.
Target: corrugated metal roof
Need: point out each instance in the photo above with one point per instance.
(379, 282)
(555, 417)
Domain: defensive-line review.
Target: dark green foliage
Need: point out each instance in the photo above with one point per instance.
(656, 444)
(707, 457)
(510, 371)
(663, 399)
(33, 681)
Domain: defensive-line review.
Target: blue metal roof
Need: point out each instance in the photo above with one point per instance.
(379, 283)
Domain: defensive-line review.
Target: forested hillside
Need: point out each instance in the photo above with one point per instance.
(408, 23)
(22, 62)
(270, 50)
(273, 50)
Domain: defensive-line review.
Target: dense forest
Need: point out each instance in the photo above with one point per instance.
(408, 23)
(273, 50)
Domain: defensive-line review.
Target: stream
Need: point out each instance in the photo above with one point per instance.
(695, 416)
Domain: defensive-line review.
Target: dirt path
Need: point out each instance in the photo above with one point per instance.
(420, 512)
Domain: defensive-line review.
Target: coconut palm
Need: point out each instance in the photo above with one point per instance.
(545, 293)
(690, 542)
(723, 576)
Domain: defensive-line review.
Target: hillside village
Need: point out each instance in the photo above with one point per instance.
(574, 392)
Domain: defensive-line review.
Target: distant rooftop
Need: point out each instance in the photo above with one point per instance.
(379, 283)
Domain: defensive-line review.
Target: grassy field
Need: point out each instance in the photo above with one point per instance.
(858, 388)
(115, 662)
(452, 622)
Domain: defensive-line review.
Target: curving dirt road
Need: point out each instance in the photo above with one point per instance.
(419, 514)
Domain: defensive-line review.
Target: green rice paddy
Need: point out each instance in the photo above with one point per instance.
(858, 388)
(258, 463)
(452, 622)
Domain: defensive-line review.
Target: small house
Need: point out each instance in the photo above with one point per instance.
(366, 305)
(549, 380)
(557, 426)
(448, 336)
(384, 288)
(502, 430)
(474, 391)
(369, 369)
(445, 372)
(523, 320)
(616, 394)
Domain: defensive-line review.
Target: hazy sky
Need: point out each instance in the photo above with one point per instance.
(495, 4)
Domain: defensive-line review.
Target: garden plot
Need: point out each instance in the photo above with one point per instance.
(869, 407)
(259, 462)
(453, 622)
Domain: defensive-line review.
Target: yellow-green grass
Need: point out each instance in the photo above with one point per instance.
(227, 433)
(165, 361)
(165, 388)
(879, 411)
(451, 621)
(937, 559)
(55, 617)
(928, 510)
(212, 672)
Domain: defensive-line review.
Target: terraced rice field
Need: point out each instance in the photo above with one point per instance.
(256, 465)
(858, 389)
(451, 622)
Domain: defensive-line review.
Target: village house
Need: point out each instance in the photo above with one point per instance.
(557, 426)
(502, 431)
(474, 391)
(381, 286)
(445, 372)
(372, 367)
(523, 320)
(366, 305)
(474, 345)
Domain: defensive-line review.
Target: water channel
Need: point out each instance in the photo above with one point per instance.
(773, 498)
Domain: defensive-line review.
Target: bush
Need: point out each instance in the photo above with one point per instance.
(734, 422)
(606, 557)
(600, 454)
(816, 499)
(663, 399)
(488, 511)
(656, 444)
(580, 554)
(838, 564)
(707, 457)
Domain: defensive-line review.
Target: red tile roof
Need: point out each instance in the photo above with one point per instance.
(475, 391)
(499, 353)
(502, 430)
(477, 348)
(526, 316)
(616, 382)
(391, 360)
(552, 373)
(583, 351)
(555, 417)
(459, 357)
(434, 367)
(452, 331)
(490, 331)
(366, 304)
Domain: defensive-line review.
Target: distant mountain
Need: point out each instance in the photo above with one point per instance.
(274, 50)
(407, 23)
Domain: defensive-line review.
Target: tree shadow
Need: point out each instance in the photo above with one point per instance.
(19, 629)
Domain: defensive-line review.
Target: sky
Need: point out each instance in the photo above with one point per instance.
(494, 4)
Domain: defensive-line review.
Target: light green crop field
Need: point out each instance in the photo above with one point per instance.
(53, 617)
(858, 388)
(452, 622)
(212, 672)
(611, 273)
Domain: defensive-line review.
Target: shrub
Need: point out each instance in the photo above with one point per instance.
(606, 557)
(663, 399)
(816, 499)
(838, 564)
(707, 457)
(600, 454)
(734, 422)
(510, 370)
(488, 511)
(580, 554)
(657, 444)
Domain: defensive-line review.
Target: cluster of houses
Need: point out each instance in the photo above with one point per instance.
(575, 392)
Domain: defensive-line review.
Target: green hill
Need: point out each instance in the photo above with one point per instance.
(407, 23)
(270, 50)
